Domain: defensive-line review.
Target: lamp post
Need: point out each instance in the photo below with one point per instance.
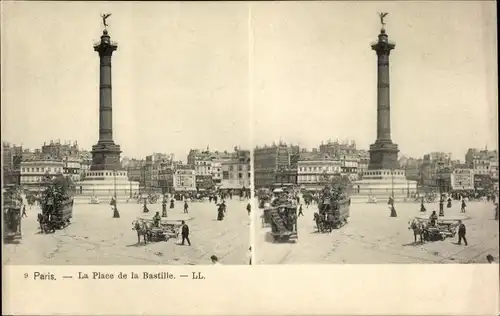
(392, 184)
(114, 183)
(440, 188)
(393, 209)
(407, 182)
(116, 214)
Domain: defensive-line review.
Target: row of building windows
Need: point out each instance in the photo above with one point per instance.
(384, 173)
(31, 179)
(102, 174)
(310, 178)
(328, 168)
(42, 169)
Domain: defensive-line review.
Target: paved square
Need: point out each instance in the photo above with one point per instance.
(95, 238)
(371, 236)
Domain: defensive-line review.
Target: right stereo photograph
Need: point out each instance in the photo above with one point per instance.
(374, 133)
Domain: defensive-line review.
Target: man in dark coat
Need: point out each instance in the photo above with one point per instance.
(461, 233)
(156, 219)
(300, 211)
(186, 207)
(422, 206)
(164, 207)
(220, 211)
(185, 233)
(249, 208)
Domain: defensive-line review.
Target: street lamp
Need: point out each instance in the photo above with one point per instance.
(393, 209)
(114, 183)
(392, 184)
(440, 188)
(130, 189)
(116, 214)
(407, 182)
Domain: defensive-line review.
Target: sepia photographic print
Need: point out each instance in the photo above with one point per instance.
(134, 151)
(241, 158)
(375, 133)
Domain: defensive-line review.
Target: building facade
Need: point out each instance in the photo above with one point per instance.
(315, 173)
(275, 164)
(184, 180)
(35, 172)
(462, 179)
(71, 167)
(235, 175)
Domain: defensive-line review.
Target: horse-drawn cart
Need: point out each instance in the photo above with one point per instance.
(154, 232)
(57, 205)
(284, 222)
(334, 209)
(12, 215)
(428, 232)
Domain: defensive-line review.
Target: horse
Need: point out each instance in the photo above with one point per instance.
(418, 229)
(321, 224)
(142, 228)
(45, 225)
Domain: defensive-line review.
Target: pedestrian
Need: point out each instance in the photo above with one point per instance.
(249, 208)
(24, 212)
(116, 214)
(463, 206)
(250, 255)
(461, 233)
(185, 233)
(186, 206)
(433, 218)
(215, 260)
(300, 211)
(156, 219)
(490, 259)
(422, 206)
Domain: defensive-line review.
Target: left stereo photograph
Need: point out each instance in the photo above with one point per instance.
(125, 134)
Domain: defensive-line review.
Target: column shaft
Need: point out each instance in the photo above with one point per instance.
(105, 100)
(383, 99)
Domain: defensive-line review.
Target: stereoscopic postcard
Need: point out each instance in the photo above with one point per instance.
(241, 158)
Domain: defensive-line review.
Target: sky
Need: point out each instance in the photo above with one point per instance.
(315, 74)
(180, 75)
(191, 74)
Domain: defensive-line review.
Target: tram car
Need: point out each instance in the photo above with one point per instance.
(57, 205)
(284, 222)
(12, 216)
